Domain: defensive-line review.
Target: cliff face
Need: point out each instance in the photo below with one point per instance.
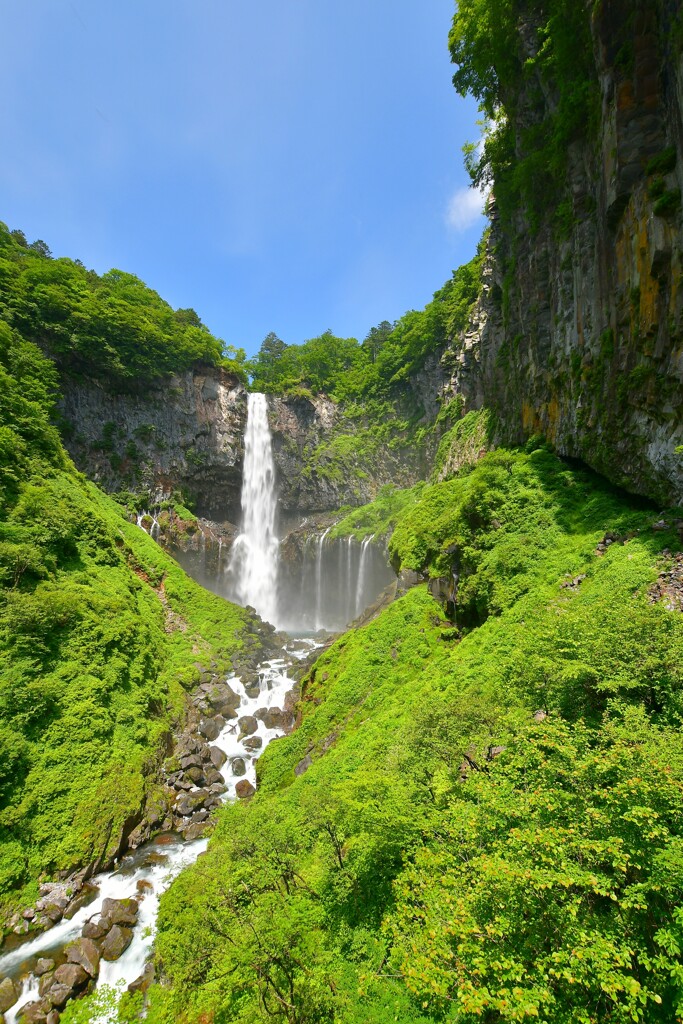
(182, 436)
(578, 334)
(186, 437)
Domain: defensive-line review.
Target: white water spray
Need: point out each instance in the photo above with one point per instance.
(254, 556)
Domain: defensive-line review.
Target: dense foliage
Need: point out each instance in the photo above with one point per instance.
(446, 857)
(112, 327)
(99, 633)
(532, 69)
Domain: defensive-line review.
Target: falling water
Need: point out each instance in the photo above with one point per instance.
(254, 556)
(361, 576)
(319, 581)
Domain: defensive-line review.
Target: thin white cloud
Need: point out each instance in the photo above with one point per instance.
(465, 208)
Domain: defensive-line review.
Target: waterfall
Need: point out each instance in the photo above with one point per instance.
(360, 587)
(319, 581)
(254, 555)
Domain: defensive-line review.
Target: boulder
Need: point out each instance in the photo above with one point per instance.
(117, 940)
(213, 777)
(188, 803)
(196, 775)
(209, 729)
(252, 690)
(43, 965)
(9, 993)
(272, 718)
(142, 983)
(191, 761)
(218, 757)
(244, 789)
(248, 725)
(95, 928)
(52, 1017)
(84, 952)
(120, 911)
(65, 982)
(36, 1012)
(222, 698)
(194, 831)
(238, 766)
(252, 743)
(217, 789)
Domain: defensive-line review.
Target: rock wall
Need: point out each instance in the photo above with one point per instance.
(183, 436)
(580, 338)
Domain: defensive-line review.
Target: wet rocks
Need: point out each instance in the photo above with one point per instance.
(252, 743)
(84, 952)
(244, 789)
(238, 766)
(272, 718)
(120, 911)
(188, 803)
(116, 941)
(43, 965)
(209, 728)
(248, 725)
(9, 993)
(218, 757)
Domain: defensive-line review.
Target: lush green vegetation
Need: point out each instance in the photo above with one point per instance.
(533, 72)
(111, 327)
(418, 872)
(100, 632)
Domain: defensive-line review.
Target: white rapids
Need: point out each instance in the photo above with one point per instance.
(148, 872)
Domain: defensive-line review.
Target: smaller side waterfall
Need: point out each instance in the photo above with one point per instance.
(362, 568)
(254, 556)
(319, 580)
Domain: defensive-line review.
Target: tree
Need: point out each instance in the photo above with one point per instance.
(375, 339)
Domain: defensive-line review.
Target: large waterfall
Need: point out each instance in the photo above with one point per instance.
(254, 555)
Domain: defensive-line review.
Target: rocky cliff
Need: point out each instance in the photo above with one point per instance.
(184, 438)
(578, 332)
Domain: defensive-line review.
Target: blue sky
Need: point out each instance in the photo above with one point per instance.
(290, 166)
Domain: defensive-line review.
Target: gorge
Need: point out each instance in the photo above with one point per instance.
(345, 684)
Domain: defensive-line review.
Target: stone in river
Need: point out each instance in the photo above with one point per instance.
(244, 789)
(120, 911)
(118, 939)
(66, 981)
(213, 776)
(43, 965)
(9, 993)
(84, 952)
(209, 728)
(35, 1012)
(218, 757)
(187, 803)
(95, 928)
(253, 743)
(197, 829)
(248, 725)
(238, 766)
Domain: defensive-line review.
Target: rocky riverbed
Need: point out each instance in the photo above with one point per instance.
(101, 930)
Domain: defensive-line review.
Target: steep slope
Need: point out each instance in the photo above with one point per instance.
(423, 847)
